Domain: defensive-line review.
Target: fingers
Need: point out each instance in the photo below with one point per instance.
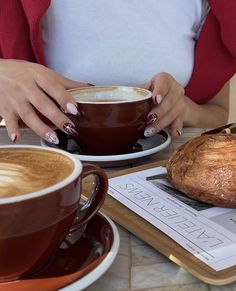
(169, 98)
(170, 119)
(55, 86)
(38, 88)
(160, 86)
(31, 119)
(56, 90)
(11, 122)
(45, 105)
(177, 127)
(173, 99)
(21, 107)
(9, 115)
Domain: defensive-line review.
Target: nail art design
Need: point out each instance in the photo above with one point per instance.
(69, 128)
(71, 108)
(152, 118)
(158, 99)
(149, 131)
(179, 132)
(52, 137)
(13, 137)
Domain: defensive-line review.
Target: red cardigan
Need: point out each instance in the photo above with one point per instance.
(215, 53)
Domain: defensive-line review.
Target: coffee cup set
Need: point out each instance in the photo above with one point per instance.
(110, 123)
(49, 236)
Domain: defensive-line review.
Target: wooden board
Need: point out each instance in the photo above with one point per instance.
(159, 241)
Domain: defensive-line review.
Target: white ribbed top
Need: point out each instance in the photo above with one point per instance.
(122, 42)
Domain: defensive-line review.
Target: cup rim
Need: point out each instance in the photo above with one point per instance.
(74, 174)
(94, 88)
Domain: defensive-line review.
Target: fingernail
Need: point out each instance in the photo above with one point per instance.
(158, 99)
(227, 130)
(179, 132)
(69, 128)
(71, 108)
(149, 131)
(13, 137)
(52, 137)
(152, 118)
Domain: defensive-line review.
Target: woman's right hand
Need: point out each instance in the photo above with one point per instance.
(26, 86)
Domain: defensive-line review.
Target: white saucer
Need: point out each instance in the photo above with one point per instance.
(150, 146)
(91, 277)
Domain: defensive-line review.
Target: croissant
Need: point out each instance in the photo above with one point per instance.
(204, 168)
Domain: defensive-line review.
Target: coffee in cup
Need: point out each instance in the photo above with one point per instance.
(27, 170)
(111, 119)
(40, 203)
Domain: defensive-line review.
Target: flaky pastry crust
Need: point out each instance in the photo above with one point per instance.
(204, 168)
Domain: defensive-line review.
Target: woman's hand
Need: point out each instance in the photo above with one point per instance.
(26, 86)
(175, 110)
(170, 105)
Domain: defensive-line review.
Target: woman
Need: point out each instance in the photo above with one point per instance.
(138, 39)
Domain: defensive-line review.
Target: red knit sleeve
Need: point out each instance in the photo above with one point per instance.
(14, 32)
(20, 35)
(225, 13)
(215, 54)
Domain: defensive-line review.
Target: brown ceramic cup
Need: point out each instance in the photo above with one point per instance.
(40, 203)
(111, 119)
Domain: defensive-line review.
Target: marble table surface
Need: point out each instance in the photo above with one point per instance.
(137, 265)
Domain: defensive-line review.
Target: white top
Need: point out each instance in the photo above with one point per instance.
(122, 42)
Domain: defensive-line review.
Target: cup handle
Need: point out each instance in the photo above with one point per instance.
(96, 197)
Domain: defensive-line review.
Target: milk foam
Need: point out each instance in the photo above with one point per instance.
(113, 94)
(25, 171)
(17, 179)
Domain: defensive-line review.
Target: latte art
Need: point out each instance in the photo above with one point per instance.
(25, 170)
(17, 179)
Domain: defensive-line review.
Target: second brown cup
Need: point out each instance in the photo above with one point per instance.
(111, 119)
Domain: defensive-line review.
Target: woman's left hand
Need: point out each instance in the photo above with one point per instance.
(169, 105)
